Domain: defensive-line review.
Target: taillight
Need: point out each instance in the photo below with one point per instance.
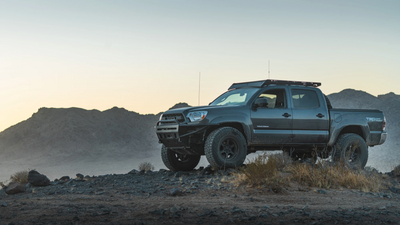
(384, 124)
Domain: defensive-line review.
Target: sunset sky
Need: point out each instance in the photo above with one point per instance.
(146, 55)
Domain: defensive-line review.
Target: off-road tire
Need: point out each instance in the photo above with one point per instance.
(225, 148)
(348, 143)
(178, 162)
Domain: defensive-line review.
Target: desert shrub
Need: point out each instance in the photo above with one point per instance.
(282, 160)
(262, 171)
(275, 172)
(146, 166)
(396, 171)
(20, 177)
(335, 176)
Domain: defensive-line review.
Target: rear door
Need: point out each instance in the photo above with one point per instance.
(272, 124)
(310, 116)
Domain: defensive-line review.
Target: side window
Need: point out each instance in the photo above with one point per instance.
(305, 99)
(276, 98)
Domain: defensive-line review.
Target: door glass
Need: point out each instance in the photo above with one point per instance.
(305, 99)
(275, 98)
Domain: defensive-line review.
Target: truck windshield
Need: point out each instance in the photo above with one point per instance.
(235, 97)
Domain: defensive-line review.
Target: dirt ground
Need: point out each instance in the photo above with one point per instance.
(191, 198)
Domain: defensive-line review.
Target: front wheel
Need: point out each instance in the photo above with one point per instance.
(352, 150)
(178, 162)
(225, 148)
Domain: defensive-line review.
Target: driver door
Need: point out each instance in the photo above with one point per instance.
(272, 125)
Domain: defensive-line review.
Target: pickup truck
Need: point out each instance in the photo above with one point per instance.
(292, 116)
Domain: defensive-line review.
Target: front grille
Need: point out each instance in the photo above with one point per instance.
(178, 116)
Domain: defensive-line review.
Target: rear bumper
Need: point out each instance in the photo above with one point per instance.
(383, 138)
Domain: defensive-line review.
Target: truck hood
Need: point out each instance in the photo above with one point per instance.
(200, 108)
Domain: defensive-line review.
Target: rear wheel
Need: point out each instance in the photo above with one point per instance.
(225, 148)
(178, 162)
(352, 150)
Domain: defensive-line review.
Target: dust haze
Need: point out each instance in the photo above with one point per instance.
(64, 142)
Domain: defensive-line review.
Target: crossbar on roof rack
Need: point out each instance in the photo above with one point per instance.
(262, 83)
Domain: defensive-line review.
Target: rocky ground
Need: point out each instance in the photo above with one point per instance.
(198, 197)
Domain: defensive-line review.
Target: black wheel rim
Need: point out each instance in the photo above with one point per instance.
(228, 149)
(182, 158)
(352, 155)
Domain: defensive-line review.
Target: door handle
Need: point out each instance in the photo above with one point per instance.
(286, 115)
(320, 115)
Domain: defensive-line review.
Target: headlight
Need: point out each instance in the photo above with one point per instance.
(197, 115)
(161, 116)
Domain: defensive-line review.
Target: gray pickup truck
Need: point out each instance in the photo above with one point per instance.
(292, 116)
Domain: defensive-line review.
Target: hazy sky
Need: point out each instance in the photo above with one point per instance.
(146, 55)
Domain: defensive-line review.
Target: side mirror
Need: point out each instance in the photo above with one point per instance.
(261, 102)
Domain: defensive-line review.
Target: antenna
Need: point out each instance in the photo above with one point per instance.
(268, 70)
(198, 102)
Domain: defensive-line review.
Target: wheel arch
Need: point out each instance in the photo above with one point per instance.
(237, 125)
(353, 129)
(360, 130)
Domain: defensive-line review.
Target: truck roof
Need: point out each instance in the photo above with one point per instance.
(262, 83)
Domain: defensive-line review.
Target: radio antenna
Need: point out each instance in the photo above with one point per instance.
(268, 70)
(198, 101)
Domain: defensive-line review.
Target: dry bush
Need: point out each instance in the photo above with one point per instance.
(335, 176)
(146, 166)
(396, 171)
(282, 160)
(275, 172)
(262, 171)
(20, 177)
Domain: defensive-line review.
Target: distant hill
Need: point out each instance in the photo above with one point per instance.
(75, 138)
(73, 132)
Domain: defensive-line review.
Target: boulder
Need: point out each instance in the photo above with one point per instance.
(64, 178)
(15, 188)
(37, 179)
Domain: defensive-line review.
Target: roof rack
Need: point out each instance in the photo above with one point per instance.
(262, 83)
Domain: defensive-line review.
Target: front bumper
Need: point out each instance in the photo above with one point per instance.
(175, 135)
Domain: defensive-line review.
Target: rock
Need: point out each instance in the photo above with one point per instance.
(175, 191)
(178, 174)
(236, 210)
(64, 178)
(159, 212)
(79, 176)
(321, 191)
(37, 179)
(175, 209)
(3, 204)
(162, 171)
(394, 190)
(133, 171)
(15, 188)
(209, 213)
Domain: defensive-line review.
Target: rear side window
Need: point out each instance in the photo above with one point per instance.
(305, 99)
